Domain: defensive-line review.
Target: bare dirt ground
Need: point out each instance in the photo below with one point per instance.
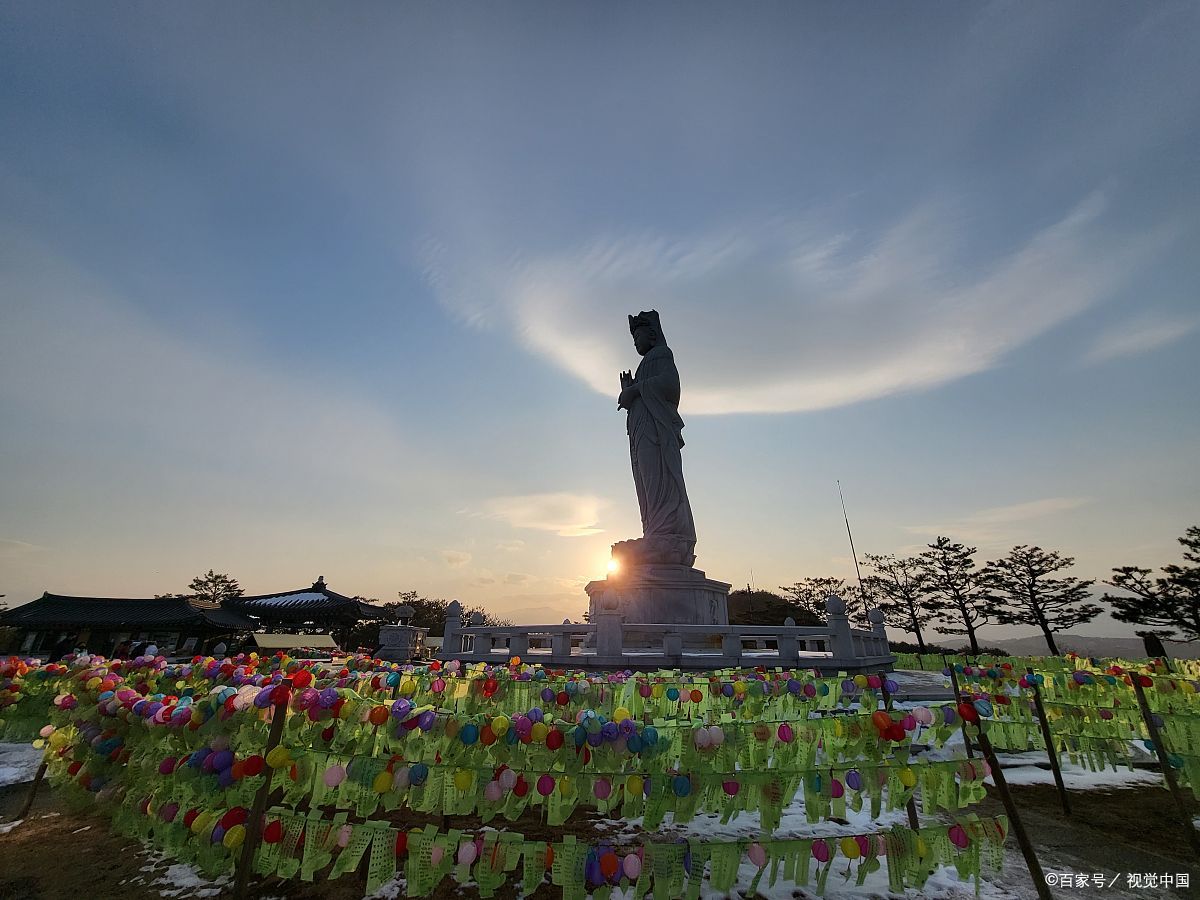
(57, 855)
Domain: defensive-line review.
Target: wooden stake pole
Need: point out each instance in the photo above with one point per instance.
(958, 699)
(1161, 749)
(1051, 750)
(33, 789)
(1031, 860)
(254, 824)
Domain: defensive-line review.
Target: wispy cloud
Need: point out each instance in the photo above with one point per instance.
(16, 549)
(456, 559)
(786, 316)
(992, 526)
(1139, 336)
(565, 514)
(119, 376)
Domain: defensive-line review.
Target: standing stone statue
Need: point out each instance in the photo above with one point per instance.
(651, 396)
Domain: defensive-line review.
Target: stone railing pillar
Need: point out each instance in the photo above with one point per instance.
(731, 647)
(841, 641)
(609, 636)
(673, 644)
(876, 618)
(789, 646)
(518, 643)
(560, 645)
(607, 619)
(451, 637)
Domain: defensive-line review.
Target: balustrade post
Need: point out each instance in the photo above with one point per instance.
(731, 646)
(673, 645)
(841, 640)
(452, 635)
(518, 644)
(560, 647)
(609, 633)
(878, 631)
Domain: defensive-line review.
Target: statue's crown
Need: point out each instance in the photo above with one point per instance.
(644, 319)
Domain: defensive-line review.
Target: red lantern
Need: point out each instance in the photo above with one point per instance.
(609, 865)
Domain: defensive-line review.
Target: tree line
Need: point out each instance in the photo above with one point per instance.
(945, 590)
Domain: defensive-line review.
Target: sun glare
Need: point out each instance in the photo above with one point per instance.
(613, 565)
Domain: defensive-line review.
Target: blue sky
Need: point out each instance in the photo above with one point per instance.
(292, 290)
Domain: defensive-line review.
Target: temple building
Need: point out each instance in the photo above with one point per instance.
(101, 624)
(315, 607)
(184, 625)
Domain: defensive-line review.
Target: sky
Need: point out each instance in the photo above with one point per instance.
(290, 290)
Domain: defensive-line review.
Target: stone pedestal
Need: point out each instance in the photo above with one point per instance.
(401, 643)
(660, 595)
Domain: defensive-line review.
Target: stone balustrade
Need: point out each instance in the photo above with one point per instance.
(609, 643)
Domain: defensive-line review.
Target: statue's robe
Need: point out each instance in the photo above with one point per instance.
(655, 439)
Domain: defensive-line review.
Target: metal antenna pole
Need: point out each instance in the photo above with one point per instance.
(854, 553)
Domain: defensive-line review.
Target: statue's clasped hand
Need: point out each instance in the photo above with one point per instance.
(629, 391)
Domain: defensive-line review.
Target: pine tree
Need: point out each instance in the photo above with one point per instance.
(1169, 603)
(954, 591)
(215, 588)
(899, 586)
(810, 593)
(1023, 591)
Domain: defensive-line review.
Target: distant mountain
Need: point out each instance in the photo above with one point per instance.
(1087, 645)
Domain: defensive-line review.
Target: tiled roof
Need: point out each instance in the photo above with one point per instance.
(306, 604)
(52, 610)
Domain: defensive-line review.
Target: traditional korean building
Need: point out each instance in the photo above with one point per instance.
(309, 609)
(173, 624)
(185, 624)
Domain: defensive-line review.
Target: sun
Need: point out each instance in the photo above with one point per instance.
(613, 565)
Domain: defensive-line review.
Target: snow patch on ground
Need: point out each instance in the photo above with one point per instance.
(178, 881)
(1034, 768)
(18, 763)
(184, 881)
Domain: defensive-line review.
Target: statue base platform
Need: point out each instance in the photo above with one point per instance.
(661, 595)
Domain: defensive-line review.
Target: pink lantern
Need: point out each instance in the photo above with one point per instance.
(631, 865)
(820, 851)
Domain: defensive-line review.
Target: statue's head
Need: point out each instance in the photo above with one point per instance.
(646, 331)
